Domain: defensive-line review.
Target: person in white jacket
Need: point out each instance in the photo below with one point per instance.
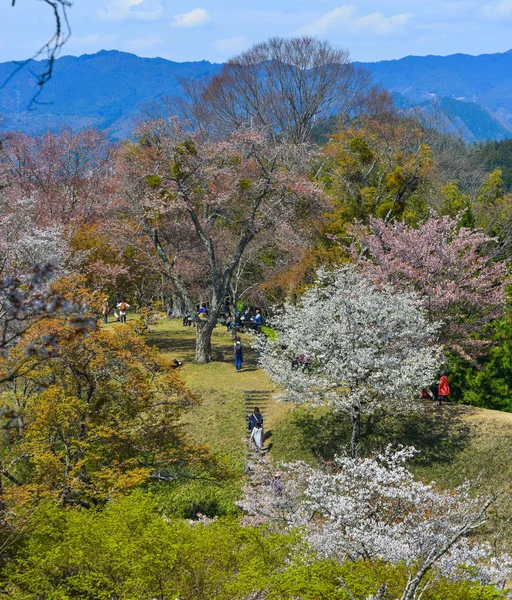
(257, 436)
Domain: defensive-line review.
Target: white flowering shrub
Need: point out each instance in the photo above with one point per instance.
(353, 346)
(374, 508)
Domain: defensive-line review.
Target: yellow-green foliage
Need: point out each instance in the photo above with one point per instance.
(335, 581)
(132, 551)
(97, 418)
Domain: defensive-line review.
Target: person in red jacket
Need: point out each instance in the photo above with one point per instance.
(444, 388)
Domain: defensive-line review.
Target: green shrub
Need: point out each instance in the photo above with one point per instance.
(328, 579)
(130, 551)
(488, 385)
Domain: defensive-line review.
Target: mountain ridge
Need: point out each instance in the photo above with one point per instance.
(106, 89)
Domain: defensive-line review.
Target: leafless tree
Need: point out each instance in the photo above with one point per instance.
(281, 85)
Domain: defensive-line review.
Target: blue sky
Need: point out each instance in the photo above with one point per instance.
(216, 29)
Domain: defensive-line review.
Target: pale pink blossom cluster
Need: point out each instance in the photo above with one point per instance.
(447, 265)
(352, 345)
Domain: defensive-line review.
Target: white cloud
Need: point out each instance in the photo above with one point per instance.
(230, 45)
(143, 43)
(500, 10)
(382, 25)
(119, 10)
(194, 18)
(345, 19)
(93, 39)
(330, 20)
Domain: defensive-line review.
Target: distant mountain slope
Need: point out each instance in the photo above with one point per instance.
(476, 91)
(102, 90)
(484, 79)
(106, 89)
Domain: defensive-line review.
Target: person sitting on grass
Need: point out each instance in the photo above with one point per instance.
(258, 321)
(203, 312)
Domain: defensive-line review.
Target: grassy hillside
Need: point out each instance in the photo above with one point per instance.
(457, 443)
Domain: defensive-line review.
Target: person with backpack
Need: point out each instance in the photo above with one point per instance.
(123, 307)
(255, 417)
(239, 354)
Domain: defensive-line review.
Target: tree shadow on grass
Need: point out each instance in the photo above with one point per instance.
(440, 434)
(182, 346)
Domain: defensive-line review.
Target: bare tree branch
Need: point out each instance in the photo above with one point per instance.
(51, 49)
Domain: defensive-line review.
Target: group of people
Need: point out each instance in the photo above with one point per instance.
(248, 320)
(120, 309)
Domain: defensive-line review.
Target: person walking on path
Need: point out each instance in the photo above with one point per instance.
(443, 390)
(254, 418)
(239, 354)
(105, 309)
(257, 436)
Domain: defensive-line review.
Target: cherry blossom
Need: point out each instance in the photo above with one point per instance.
(351, 345)
(374, 508)
(447, 266)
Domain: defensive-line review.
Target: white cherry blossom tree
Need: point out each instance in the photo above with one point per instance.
(374, 509)
(353, 346)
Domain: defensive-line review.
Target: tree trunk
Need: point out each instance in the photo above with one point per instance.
(356, 430)
(179, 306)
(234, 304)
(204, 330)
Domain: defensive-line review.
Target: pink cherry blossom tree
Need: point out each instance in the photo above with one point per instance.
(447, 265)
(66, 175)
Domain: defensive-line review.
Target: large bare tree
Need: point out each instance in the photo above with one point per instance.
(203, 204)
(282, 85)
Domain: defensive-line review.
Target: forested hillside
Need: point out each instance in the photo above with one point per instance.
(107, 90)
(496, 155)
(241, 359)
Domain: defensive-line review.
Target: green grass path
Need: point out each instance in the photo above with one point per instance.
(219, 419)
